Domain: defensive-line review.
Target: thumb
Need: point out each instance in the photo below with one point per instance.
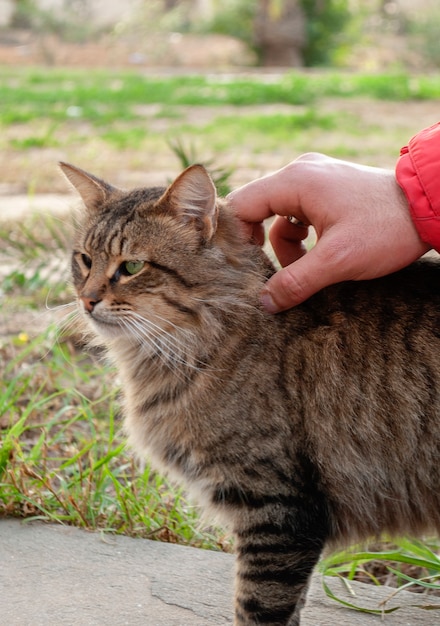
(295, 283)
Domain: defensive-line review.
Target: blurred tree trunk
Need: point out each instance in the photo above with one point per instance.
(280, 32)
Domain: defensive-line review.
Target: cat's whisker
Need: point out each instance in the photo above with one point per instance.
(170, 323)
(141, 333)
(163, 341)
(174, 342)
(60, 307)
(175, 338)
(69, 319)
(168, 339)
(66, 315)
(73, 324)
(144, 335)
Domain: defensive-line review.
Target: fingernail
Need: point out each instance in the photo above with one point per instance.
(268, 303)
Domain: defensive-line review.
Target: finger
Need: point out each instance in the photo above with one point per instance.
(300, 280)
(279, 193)
(273, 194)
(253, 232)
(287, 240)
(251, 203)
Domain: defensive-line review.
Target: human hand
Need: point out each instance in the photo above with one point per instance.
(360, 215)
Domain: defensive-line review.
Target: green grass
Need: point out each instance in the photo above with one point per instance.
(102, 97)
(123, 116)
(407, 564)
(35, 255)
(63, 456)
(268, 130)
(124, 138)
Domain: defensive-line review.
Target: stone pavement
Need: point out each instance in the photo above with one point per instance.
(54, 575)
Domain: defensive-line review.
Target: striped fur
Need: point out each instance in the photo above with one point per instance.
(309, 428)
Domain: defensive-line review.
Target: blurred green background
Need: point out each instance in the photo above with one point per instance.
(133, 92)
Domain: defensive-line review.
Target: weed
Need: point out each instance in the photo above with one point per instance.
(408, 564)
(187, 156)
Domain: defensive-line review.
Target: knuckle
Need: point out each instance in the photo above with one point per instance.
(309, 168)
(292, 288)
(343, 256)
(310, 156)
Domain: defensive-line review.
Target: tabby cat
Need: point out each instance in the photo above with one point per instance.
(312, 427)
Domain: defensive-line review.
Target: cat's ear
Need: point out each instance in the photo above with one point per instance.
(92, 190)
(193, 197)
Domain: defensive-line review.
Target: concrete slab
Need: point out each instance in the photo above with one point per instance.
(52, 575)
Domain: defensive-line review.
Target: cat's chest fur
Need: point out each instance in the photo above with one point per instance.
(198, 423)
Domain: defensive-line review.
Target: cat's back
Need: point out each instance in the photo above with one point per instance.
(367, 324)
(413, 292)
(364, 370)
(383, 332)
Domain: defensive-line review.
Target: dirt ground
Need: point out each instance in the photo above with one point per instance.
(388, 124)
(175, 51)
(383, 128)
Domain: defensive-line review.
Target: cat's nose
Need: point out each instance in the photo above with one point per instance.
(89, 302)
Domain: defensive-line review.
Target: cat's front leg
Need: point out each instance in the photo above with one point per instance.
(274, 562)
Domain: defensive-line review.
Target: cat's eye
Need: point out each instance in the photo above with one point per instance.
(87, 261)
(133, 267)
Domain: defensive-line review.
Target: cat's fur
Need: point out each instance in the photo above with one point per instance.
(306, 428)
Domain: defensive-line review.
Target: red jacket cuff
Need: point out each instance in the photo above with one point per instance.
(418, 173)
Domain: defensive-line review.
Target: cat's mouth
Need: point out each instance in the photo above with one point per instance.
(111, 328)
(105, 326)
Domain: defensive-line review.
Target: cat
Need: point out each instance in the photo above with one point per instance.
(314, 427)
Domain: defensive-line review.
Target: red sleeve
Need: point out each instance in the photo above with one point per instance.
(418, 173)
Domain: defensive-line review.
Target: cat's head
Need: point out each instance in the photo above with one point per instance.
(154, 260)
